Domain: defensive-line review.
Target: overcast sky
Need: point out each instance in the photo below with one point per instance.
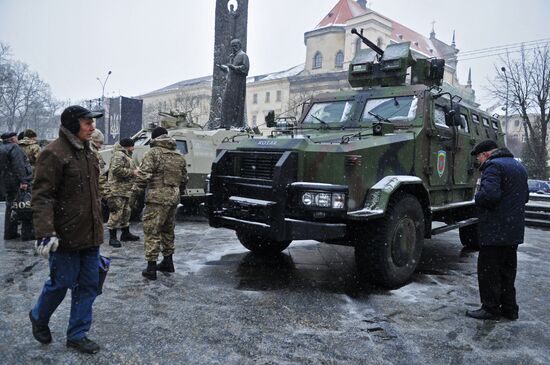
(150, 44)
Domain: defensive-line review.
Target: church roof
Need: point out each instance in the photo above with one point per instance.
(343, 11)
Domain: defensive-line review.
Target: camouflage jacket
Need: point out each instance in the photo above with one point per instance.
(121, 173)
(31, 149)
(163, 171)
(103, 183)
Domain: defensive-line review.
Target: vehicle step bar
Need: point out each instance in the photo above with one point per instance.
(450, 227)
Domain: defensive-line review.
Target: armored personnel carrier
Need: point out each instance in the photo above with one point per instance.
(197, 145)
(372, 168)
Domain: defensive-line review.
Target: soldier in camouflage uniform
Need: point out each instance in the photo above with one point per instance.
(97, 142)
(30, 146)
(163, 170)
(122, 173)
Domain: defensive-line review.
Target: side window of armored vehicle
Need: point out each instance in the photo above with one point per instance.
(329, 112)
(182, 147)
(475, 119)
(486, 124)
(465, 128)
(396, 109)
(439, 117)
(495, 124)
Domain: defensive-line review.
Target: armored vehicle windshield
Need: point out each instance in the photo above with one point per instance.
(401, 108)
(329, 112)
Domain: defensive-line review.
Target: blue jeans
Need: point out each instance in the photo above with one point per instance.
(78, 271)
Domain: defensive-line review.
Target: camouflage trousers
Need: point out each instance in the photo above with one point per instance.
(159, 222)
(120, 218)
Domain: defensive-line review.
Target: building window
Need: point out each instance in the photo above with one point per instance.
(255, 99)
(279, 93)
(339, 60)
(267, 96)
(254, 120)
(516, 123)
(318, 60)
(380, 42)
(358, 44)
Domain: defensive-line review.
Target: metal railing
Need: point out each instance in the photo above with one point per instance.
(537, 211)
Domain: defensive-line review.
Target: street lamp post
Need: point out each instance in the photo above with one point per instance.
(503, 69)
(103, 87)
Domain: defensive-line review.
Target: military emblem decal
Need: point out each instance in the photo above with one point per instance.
(441, 157)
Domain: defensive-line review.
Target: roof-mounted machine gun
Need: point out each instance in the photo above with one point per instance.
(177, 119)
(374, 67)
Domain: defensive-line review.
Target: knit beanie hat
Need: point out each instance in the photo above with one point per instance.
(127, 142)
(158, 131)
(29, 133)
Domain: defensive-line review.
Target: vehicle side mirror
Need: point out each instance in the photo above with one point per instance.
(270, 119)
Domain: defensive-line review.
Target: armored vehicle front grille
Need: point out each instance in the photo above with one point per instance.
(258, 165)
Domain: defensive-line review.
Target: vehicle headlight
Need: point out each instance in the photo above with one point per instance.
(338, 200)
(322, 200)
(307, 198)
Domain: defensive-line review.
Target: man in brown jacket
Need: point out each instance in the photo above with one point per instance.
(68, 227)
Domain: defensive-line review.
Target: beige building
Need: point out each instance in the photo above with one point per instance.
(515, 132)
(330, 47)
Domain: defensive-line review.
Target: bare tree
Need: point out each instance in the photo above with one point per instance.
(26, 100)
(525, 84)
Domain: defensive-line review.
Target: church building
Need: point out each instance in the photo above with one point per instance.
(330, 47)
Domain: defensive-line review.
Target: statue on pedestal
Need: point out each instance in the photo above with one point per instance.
(234, 96)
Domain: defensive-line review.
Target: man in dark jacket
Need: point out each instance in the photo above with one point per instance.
(68, 225)
(501, 200)
(17, 174)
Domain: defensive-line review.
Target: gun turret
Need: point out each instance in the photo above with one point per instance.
(371, 45)
(374, 67)
(177, 119)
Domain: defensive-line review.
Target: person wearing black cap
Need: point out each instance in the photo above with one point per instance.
(501, 200)
(69, 227)
(122, 173)
(17, 175)
(163, 171)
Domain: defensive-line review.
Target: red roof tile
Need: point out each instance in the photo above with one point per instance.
(343, 11)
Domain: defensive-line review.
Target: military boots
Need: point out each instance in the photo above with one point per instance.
(151, 271)
(166, 265)
(127, 236)
(113, 241)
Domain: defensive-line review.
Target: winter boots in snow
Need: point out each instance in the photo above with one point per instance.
(151, 271)
(127, 236)
(166, 265)
(113, 241)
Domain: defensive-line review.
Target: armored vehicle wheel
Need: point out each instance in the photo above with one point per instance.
(389, 249)
(469, 236)
(258, 244)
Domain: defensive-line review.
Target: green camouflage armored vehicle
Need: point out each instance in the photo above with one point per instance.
(372, 168)
(197, 145)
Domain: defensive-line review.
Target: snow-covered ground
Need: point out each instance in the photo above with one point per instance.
(225, 305)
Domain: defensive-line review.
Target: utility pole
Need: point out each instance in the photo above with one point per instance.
(103, 88)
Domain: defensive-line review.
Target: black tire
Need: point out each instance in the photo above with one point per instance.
(389, 249)
(258, 244)
(469, 236)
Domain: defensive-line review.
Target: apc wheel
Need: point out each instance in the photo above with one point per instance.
(258, 244)
(469, 236)
(390, 248)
